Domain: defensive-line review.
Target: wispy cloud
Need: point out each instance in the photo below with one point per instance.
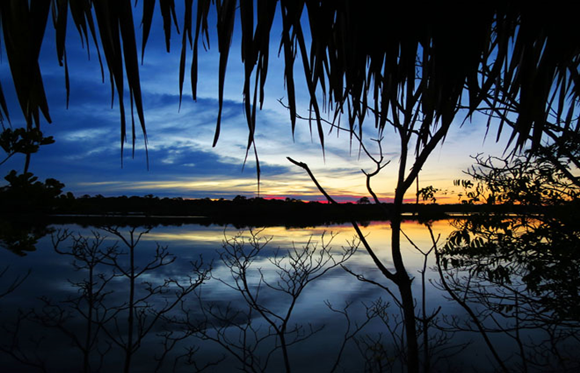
(181, 161)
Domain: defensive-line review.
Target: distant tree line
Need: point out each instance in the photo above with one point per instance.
(27, 195)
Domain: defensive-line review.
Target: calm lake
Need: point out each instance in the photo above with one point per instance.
(182, 301)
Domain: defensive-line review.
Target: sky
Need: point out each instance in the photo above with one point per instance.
(86, 156)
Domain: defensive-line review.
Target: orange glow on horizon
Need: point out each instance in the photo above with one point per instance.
(269, 189)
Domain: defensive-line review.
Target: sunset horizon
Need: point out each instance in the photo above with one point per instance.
(177, 158)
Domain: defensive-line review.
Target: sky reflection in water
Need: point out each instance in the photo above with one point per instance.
(52, 274)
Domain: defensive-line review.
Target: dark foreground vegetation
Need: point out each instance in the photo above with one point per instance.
(411, 71)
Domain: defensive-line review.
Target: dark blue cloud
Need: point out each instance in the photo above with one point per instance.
(87, 152)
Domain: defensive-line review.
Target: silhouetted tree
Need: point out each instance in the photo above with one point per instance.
(117, 303)
(252, 331)
(21, 237)
(24, 141)
(140, 316)
(520, 268)
(406, 67)
(24, 193)
(363, 201)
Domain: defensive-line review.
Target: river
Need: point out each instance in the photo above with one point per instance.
(88, 304)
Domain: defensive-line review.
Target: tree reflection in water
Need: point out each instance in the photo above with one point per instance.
(518, 276)
(258, 301)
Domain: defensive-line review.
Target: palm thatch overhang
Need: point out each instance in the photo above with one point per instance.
(513, 62)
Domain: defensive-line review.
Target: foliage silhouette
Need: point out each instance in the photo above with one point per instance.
(519, 268)
(21, 236)
(415, 129)
(21, 140)
(397, 65)
(356, 57)
(25, 194)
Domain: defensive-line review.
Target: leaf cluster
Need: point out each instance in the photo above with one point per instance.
(360, 58)
(26, 185)
(539, 253)
(533, 253)
(530, 179)
(428, 193)
(21, 140)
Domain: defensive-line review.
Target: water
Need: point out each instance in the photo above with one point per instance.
(337, 322)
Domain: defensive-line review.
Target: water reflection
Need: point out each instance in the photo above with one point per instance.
(129, 298)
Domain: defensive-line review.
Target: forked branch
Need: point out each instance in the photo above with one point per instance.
(388, 274)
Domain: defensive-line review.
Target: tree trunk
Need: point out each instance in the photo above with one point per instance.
(403, 282)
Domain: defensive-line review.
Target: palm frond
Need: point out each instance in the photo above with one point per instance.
(357, 56)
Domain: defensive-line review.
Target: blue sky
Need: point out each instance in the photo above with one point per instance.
(182, 163)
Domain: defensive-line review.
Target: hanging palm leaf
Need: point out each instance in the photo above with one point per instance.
(502, 56)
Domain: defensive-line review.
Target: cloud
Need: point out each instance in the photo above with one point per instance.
(181, 161)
